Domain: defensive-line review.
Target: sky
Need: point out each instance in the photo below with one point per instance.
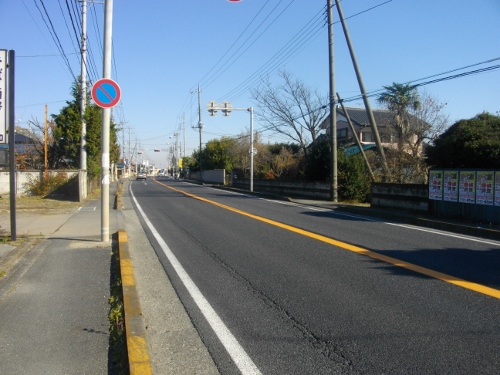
(164, 50)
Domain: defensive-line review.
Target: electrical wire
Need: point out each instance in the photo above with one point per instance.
(229, 63)
(47, 20)
(67, 27)
(293, 47)
(232, 45)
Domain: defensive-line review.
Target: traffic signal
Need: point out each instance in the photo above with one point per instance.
(212, 108)
(226, 108)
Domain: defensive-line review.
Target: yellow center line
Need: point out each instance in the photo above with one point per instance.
(356, 249)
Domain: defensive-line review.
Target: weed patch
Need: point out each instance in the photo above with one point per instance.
(117, 337)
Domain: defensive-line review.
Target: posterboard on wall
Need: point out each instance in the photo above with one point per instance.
(467, 187)
(450, 186)
(485, 181)
(436, 185)
(497, 188)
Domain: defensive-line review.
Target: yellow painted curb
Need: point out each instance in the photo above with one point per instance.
(137, 348)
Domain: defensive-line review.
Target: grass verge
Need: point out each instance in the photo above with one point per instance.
(117, 337)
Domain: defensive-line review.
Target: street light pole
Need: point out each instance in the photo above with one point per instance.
(226, 109)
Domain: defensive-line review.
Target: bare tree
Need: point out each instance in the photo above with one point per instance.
(291, 109)
(240, 151)
(430, 120)
(283, 162)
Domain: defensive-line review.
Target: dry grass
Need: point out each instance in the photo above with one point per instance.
(41, 205)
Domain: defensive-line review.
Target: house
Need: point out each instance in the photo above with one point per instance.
(23, 144)
(385, 124)
(361, 123)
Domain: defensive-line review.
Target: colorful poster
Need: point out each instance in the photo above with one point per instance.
(484, 187)
(450, 186)
(466, 192)
(497, 188)
(436, 185)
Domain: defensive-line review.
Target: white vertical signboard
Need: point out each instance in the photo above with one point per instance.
(3, 95)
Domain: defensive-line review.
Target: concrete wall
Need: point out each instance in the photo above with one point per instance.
(24, 177)
(216, 176)
(313, 190)
(412, 197)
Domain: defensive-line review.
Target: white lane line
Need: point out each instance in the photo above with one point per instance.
(407, 226)
(230, 343)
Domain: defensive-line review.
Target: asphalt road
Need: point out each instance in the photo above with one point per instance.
(278, 288)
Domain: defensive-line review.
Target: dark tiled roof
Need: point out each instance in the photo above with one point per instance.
(359, 117)
(20, 138)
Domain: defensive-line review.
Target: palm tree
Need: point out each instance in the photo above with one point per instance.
(399, 98)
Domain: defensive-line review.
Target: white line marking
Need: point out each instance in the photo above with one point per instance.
(407, 226)
(230, 343)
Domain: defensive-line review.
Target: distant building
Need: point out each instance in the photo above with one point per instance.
(385, 125)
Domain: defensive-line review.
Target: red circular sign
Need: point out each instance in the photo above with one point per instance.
(106, 93)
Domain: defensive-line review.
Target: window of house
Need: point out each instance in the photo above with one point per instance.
(342, 133)
(366, 137)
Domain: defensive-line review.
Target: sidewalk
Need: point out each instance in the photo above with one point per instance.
(54, 295)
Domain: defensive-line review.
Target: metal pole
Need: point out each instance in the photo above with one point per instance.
(106, 115)
(333, 111)
(200, 126)
(83, 102)
(12, 142)
(45, 146)
(251, 148)
(363, 91)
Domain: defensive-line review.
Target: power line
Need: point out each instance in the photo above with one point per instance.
(46, 19)
(232, 45)
(72, 24)
(425, 83)
(221, 70)
(291, 49)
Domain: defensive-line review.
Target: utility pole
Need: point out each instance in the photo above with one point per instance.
(129, 154)
(200, 126)
(333, 110)
(83, 103)
(105, 124)
(45, 140)
(184, 134)
(175, 153)
(369, 112)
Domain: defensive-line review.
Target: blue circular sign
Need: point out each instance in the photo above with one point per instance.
(106, 93)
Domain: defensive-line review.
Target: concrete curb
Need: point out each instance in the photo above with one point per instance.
(15, 255)
(135, 331)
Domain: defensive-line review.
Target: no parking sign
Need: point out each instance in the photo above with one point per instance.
(106, 93)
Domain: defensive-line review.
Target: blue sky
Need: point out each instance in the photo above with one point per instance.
(163, 49)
